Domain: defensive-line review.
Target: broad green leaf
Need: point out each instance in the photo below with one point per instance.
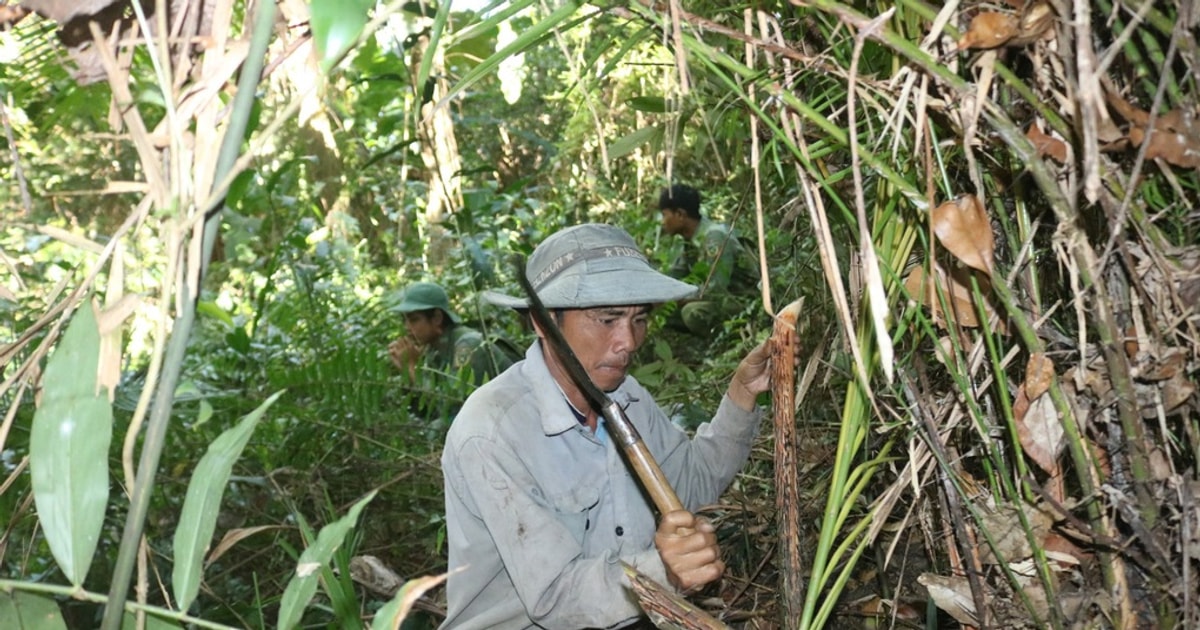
(198, 519)
(68, 448)
(152, 623)
(394, 612)
(629, 143)
(26, 611)
(336, 24)
(210, 308)
(304, 584)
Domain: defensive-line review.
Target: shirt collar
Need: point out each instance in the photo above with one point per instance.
(557, 416)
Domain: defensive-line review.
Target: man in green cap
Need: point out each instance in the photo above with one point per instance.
(712, 256)
(439, 341)
(541, 509)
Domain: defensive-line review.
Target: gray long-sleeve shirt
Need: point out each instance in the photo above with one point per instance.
(540, 512)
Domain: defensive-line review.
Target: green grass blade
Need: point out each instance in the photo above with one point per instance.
(68, 448)
(198, 519)
(26, 611)
(304, 584)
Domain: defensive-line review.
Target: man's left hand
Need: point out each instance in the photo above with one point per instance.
(689, 551)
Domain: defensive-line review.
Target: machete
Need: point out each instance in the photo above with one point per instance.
(617, 423)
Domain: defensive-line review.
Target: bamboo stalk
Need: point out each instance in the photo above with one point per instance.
(787, 489)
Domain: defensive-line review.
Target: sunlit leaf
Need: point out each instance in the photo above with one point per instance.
(68, 448)
(198, 519)
(336, 24)
(304, 584)
(26, 611)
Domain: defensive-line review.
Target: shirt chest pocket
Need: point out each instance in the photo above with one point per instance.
(574, 507)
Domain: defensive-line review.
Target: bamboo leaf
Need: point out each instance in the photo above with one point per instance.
(198, 519)
(26, 611)
(68, 448)
(304, 584)
(392, 613)
(630, 142)
(435, 34)
(336, 24)
(525, 41)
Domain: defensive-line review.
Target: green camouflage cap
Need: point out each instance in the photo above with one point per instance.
(421, 296)
(593, 265)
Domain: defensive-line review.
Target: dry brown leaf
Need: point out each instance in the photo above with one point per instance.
(1041, 434)
(1035, 24)
(962, 227)
(410, 593)
(958, 295)
(233, 537)
(1047, 145)
(1154, 369)
(1173, 147)
(1177, 391)
(1039, 374)
(1005, 530)
(989, 30)
(951, 594)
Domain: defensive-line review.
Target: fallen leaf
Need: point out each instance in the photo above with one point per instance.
(989, 30)
(962, 227)
(1047, 145)
(958, 296)
(951, 594)
(233, 537)
(1039, 374)
(1041, 434)
(1034, 24)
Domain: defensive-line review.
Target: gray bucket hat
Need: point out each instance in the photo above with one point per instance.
(421, 296)
(593, 265)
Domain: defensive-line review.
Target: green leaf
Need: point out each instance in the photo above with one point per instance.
(210, 308)
(26, 611)
(336, 24)
(435, 34)
(152, 623)
(629, 143)
(304, 584)
(653, 104)
(198, 519)
(68, 448)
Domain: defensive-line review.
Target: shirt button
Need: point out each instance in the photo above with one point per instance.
(620, 530)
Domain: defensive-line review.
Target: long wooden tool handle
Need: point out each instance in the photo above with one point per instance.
(643, 463)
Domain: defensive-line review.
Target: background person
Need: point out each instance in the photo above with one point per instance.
(541, 509)
(712, 256)
(437, 346)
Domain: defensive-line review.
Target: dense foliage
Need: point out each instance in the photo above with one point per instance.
(988, 211)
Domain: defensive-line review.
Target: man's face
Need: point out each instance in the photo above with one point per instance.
(605, 339)
(425, 328)
(672, 220)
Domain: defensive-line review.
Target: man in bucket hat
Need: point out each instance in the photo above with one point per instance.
(540, 508)
(437, 335)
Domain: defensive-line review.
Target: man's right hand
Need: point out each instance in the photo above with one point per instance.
(404, 352)
(689, 551)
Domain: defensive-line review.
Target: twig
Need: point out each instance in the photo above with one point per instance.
(19, 172)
